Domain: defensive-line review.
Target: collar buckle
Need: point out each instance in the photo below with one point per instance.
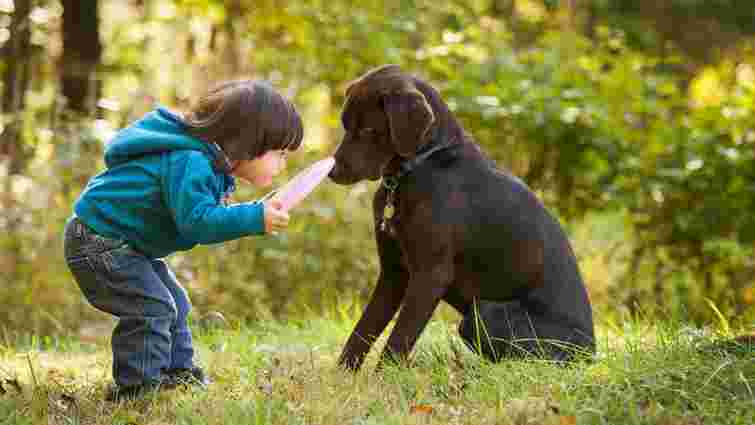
(390, 183)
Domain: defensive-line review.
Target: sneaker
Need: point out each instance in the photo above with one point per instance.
(194, 376)
(118, 393)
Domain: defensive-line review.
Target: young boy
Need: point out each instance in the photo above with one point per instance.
(164, 190)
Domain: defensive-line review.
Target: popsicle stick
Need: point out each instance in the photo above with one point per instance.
(268, 195)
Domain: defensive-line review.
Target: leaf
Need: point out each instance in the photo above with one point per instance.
(266, 388)
(649, 408)
(213, 320)
(15, 384)
(424, 409)
(724, 327)
(748, 295)
(6, 384)
(218, 347)
(568, 420)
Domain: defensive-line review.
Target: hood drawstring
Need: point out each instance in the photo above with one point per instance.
(221, 162)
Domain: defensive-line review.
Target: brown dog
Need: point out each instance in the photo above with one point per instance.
(450, 226)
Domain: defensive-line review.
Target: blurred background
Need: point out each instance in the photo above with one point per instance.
(633, 120)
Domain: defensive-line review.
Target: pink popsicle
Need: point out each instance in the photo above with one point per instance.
(303, 183)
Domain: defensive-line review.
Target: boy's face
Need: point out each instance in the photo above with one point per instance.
(261, 170)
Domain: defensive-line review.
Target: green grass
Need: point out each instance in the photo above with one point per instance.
(276, 373)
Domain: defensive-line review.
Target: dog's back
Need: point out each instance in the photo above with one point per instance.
(506, 242)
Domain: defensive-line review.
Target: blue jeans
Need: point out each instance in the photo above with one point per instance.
(152, 334)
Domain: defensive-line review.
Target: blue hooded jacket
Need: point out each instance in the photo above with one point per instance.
(160, 192)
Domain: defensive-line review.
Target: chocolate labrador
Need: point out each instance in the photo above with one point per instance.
(451, 226)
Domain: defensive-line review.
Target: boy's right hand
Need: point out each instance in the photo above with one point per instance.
(275, 218)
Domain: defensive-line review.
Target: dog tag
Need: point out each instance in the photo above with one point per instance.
(390, 184)
(388, 211)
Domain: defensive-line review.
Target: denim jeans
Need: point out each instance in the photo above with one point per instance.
(152, 334)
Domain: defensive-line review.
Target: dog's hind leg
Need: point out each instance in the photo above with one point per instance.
(454, 298)
(515, 330)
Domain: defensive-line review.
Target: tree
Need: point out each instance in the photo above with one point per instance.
(16, 57)
(82, 51)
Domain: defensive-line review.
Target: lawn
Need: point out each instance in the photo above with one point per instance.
(285, 373)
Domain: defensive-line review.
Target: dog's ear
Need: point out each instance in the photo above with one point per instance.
(409, 117)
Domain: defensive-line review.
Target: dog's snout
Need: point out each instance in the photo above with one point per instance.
(338, 171)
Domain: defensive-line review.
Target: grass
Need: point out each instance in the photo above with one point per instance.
(275, 373)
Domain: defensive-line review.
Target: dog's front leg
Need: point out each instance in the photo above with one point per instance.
(382, 307)
(426, 288)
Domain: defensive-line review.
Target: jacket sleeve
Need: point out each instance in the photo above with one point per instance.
(192, 193)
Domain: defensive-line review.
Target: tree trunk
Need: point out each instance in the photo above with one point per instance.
(504, 9)
(82, 51)
(232, 53)
(572, 9)
(16, 57)
(591, 22)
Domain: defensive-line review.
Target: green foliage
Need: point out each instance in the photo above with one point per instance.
(703, 29)
(732, 15)
(604, 121)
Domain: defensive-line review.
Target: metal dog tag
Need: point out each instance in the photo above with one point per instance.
(390, 184)
(388, 212)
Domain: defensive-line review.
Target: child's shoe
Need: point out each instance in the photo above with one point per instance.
(118, 393)
(194, 376)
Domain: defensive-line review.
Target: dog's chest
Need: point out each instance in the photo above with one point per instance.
(389, 225)
(404, 254)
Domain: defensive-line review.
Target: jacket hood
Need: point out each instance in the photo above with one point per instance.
(158, 131)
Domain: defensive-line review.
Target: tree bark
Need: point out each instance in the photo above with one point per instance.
(16, 56)
(82, 51)
(17, 59)
(504, 9)
(232, 53)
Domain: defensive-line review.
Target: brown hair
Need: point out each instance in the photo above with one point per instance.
(246, 118)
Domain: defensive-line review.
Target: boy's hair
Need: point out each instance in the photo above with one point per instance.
(246, 118)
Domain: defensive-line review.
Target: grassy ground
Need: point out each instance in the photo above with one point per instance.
(285, 374)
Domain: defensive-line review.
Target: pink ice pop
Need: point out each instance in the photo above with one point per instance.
(303, 183)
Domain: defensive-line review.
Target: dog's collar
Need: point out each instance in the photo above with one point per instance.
(391, 182)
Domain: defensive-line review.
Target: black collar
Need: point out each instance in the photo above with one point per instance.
(391, 182)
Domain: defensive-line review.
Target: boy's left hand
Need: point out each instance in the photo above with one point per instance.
(275, 218)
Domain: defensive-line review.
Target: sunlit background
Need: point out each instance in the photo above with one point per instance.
(633, 120)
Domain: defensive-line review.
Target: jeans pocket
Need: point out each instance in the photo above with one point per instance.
(74, 245)
(85, 276)
(120, 258)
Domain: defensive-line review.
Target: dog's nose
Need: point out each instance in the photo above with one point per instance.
(339, 172)
(335, 171)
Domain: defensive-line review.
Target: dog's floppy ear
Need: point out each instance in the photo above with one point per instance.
(409, 117)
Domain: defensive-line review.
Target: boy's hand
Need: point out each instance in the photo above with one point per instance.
(275, 218)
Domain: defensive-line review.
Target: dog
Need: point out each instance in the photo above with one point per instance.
(451, 226)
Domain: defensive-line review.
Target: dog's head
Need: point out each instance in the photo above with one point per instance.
(384, 116)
